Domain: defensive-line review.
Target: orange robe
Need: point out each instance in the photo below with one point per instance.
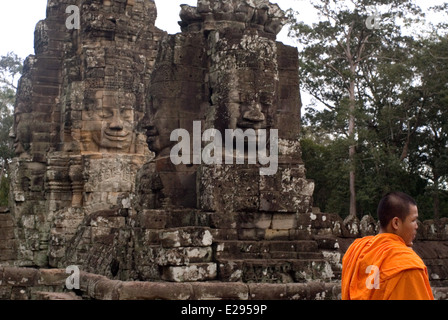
(382, 267)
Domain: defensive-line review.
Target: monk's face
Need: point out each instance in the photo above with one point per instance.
(407, 229)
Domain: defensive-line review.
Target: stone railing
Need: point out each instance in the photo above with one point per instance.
(49, 284)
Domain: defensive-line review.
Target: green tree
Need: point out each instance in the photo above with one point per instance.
(339, 50)
(431, 147)
(10, 69)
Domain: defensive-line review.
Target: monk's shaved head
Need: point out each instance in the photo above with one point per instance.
(394, 204)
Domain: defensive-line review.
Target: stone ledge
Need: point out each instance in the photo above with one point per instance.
(43, 282)
(57, 296)
(135, 290)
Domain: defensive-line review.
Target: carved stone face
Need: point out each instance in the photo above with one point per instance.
(161, 122)
(111, 123)
(255, 111)
(22, 134)
(113, 127)
(249, 101)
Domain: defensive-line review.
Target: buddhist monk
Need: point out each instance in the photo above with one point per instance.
(384, 267)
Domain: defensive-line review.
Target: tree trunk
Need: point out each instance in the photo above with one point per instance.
(2, 170)
(435, 197)
(352, 149)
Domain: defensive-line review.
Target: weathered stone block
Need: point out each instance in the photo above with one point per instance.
(306, 270)
(186, 237)
(224, 234)
(183, 256)
(284, 221)
(7, 222)
(190, 273)
(20, 277)
(108, 290)
(226, 220)
(297, 291)
(230, 270)
(247, 220)
(275, 234)
(5, 292)
(108, 222)
(252, 234)
(267, 271)
(70, 296)
(318, 291)
(220, 291)
(6, 234)
(154, 291)
(88, 282)
(52, 277)
(148, 272)
(20, 293)
(8, 254)
(267, 291)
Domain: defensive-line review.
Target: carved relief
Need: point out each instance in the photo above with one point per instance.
(109, 124)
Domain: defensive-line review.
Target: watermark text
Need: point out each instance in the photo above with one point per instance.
(235, 142)
(73, 281)
(74, 20)
(373, 280)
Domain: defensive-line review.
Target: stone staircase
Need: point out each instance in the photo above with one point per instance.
(279, 248)
(271, 261)
(174, 245)
(190, 245)
(240, 247)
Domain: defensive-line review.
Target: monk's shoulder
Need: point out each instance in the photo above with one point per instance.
(362, 241)
(406, 257)
(358, 244)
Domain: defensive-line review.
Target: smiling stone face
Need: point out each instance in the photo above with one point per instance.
(110, 123)
(163, 119)
(113, 127)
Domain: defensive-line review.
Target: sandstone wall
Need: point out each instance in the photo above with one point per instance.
(8, 244)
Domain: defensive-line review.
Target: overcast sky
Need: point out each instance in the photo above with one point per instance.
(18, 19)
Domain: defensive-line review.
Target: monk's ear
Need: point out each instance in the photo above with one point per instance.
(395, 223)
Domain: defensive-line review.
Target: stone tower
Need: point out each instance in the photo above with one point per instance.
(77, 135)
(94, 181)
(225, 71)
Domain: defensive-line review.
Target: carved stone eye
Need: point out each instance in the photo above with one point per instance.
(106, 114)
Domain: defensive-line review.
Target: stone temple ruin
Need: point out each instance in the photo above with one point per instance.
(93, 184)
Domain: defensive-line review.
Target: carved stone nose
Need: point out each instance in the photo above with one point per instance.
(116, 124)
(254, 115)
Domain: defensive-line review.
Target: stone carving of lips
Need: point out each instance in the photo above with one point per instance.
(116, 135)
(151, 134)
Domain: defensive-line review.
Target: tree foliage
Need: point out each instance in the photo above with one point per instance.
(10, 69)
(383, 92)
